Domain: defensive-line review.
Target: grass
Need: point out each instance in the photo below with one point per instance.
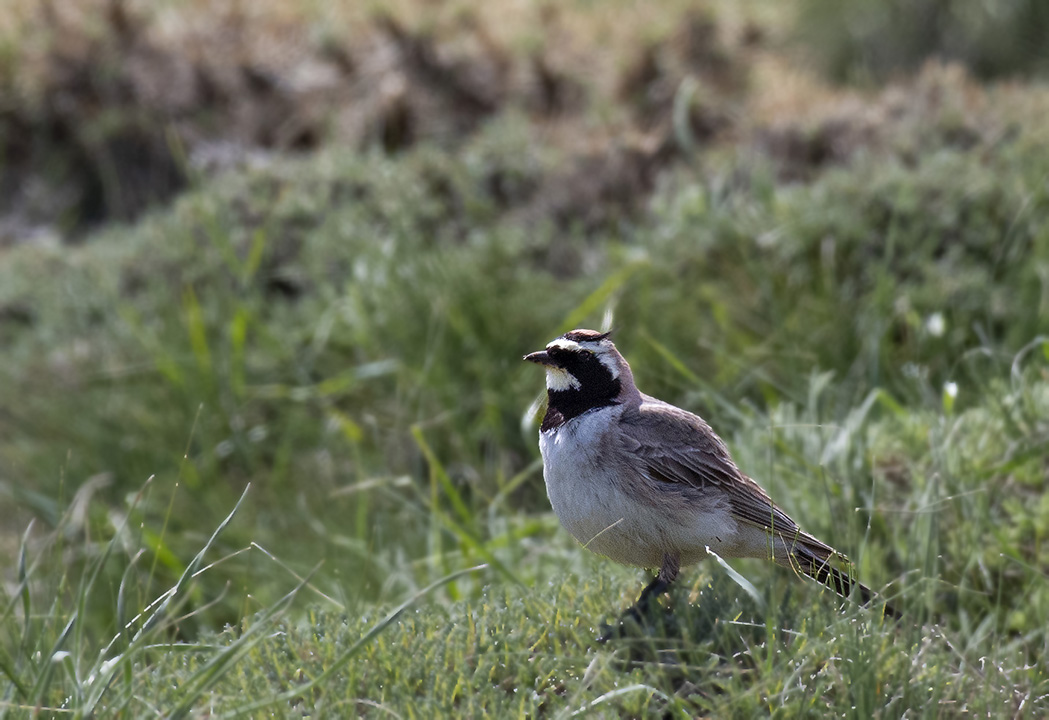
(972, 640)
(865, 41)
(342, 333)
(368, 387)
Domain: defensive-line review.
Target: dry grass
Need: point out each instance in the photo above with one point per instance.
(121, 104)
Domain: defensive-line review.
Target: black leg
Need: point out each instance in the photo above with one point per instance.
(667, 574)
(639, 610)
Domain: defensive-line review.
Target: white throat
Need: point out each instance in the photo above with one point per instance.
(559, 380)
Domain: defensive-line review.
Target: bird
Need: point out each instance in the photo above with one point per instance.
(651, 485)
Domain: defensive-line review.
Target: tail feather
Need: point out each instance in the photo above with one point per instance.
(816, 563)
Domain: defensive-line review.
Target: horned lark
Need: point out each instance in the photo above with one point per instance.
(651, 485)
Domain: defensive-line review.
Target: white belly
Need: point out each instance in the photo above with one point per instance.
(596, 498)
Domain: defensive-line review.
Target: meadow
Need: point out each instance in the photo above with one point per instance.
(267, 445)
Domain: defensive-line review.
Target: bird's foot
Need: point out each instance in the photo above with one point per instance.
(636, 616)
(639, 614)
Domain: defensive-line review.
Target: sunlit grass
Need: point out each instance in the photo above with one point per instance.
(528, 648)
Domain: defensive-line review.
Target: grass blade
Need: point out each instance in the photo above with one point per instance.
(353, 649)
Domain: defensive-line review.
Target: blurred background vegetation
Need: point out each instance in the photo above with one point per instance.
(304, 246)
(870, 42)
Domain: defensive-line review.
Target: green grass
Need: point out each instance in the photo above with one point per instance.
(972, 640)
(344, 333)
(952, 512)
(862, 41)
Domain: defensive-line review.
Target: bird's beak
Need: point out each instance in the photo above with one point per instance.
(541, 358)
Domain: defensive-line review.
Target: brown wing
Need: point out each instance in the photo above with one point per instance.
(678, 447)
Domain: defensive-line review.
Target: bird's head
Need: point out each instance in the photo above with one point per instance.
(583, 370)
